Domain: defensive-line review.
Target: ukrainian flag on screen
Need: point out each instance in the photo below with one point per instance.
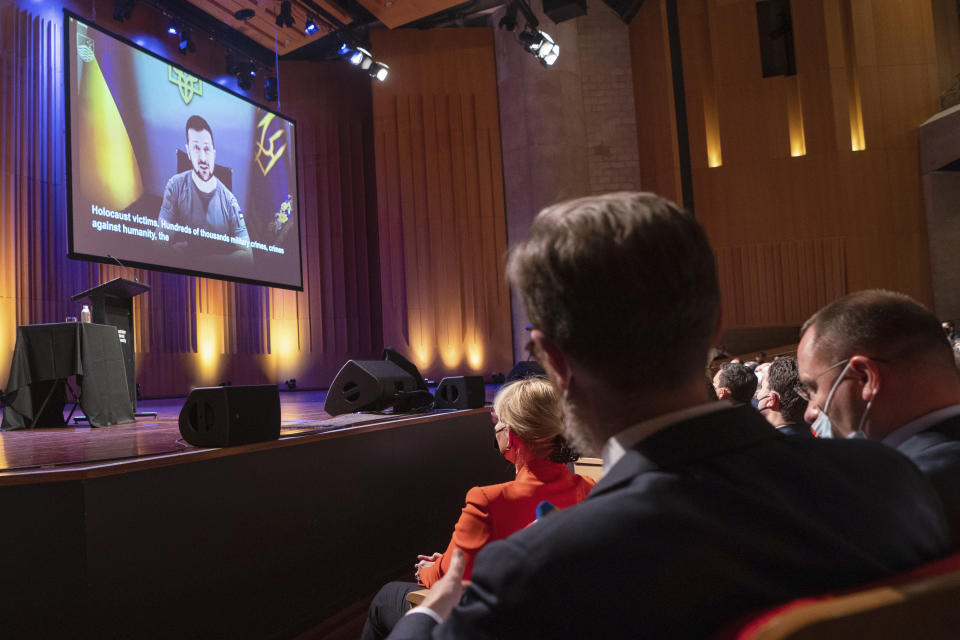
(106, 163)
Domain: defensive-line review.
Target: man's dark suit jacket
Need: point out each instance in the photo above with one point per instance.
(802, 430)
(937, 452)
(700, 523)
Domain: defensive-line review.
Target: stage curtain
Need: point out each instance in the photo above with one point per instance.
(440, 200)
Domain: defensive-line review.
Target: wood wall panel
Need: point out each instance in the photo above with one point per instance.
(657, 139)
(867, 202)
(440, 201)
(780, 284)
(194, 331)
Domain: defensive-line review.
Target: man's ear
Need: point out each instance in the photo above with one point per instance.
(553, 360)
(867, 373)
(773, 402)
(723, 393)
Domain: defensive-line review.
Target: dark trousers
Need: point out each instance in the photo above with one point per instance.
(387, 608)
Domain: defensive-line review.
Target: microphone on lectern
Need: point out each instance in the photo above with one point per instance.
(122, 266)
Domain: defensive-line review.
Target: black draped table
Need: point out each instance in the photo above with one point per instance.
(46, 355)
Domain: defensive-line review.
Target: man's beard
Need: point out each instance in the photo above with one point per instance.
(201, 171)
(578, 432)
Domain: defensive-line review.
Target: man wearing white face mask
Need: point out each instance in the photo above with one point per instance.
(876, 364)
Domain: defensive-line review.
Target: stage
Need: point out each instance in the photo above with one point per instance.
(127, 531)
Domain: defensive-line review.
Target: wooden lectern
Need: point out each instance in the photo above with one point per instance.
(112, 303)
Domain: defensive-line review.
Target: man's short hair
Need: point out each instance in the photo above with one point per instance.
(739, 379)
(625, 284)
(784, 378)
(882, 324)
(197, 124)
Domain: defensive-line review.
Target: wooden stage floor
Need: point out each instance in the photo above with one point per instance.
(80, 446)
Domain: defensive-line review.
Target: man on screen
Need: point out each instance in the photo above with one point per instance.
(197, 199)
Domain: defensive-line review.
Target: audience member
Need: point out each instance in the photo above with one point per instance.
(761, 371)
(735, 382)
(704, 512)
(527, 430)
(876, 364)
(779, 400)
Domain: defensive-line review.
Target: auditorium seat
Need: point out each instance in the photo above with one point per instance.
(922, 603)
(415, 598)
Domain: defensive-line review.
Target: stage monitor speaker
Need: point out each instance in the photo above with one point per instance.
(460, 392)
(775, 30)
(228, 416)
(391, 354)
(367, 385)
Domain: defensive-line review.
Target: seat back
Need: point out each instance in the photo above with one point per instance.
(922, 603)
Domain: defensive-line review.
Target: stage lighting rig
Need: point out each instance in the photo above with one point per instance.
(379, 71)
(312, 25)
(271, 89)
(541, 45)
(285, 17)
(122, 9)
(246, 72)
(537, 42)
(186, 41)
(361, 57)
(173, 28)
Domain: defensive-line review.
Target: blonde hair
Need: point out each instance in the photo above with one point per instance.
(531, 409)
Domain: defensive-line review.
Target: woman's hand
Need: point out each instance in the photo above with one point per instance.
(424, 562)
(445, 594)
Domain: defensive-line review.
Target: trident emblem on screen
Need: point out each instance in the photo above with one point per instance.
(189, 85)
(271, 153)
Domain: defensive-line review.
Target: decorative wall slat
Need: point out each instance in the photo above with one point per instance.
(765, 194)
(779, 283)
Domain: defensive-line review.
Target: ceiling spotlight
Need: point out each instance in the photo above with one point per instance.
(174, 28)
(244, 14)
(361, 58)
(311, 26)
(547, 51)
(344, 49)
(379, 71)
(540, 44)
(285, 17)
(232, 66)
(122, 9)
(186, 42)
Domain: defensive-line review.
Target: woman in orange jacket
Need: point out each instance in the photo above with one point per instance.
(527, 425)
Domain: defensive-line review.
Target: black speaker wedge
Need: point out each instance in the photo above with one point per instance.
(367, 385)
(460, 392)
(228, 416)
